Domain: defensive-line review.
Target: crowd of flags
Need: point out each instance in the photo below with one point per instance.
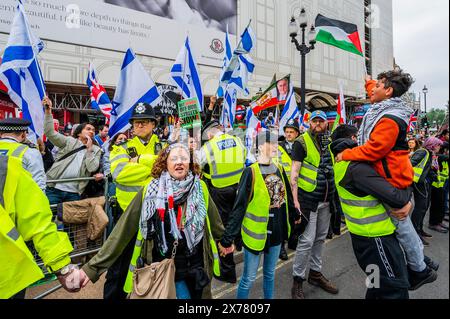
(21, 77)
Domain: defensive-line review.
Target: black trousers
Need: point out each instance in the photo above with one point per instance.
(385, 254)
(224, 199)
(117, 274)
(437, 212)
(422, 198)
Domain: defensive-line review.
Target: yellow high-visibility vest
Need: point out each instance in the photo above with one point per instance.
(254, 225)
(131, 177)
(226, 156)
(364, 216)
(307, 179)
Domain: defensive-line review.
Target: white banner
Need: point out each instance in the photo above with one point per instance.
(150, 27)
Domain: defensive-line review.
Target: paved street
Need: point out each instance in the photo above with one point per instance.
(339, 265)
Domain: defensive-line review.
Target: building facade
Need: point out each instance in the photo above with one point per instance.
(65, 65)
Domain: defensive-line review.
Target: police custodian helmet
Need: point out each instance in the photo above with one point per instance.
(143, 111)
(294, 124)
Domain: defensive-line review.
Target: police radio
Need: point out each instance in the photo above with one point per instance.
(132, 152)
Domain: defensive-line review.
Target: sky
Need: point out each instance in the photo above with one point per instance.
(421, 46)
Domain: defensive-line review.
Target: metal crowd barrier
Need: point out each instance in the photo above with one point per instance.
(83, 247)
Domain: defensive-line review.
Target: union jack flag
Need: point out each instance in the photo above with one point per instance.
(99, 99)
(413, 121)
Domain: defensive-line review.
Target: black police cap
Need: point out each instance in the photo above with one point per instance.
(294, 124)
(143, 111)
(14, 125)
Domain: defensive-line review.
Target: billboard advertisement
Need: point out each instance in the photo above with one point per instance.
(154, 28)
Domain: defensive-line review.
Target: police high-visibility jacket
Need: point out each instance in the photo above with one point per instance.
(139, 243)
(418, 170)
(131, 177)
(254, 225)
(226, 157)
(25, 215)
(307, 179)
(30, 157)
(364, 216)
(285, 160)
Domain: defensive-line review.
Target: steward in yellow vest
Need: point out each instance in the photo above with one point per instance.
(25, 216)
(421, 162)
(132, 162)
(263, 213)
(313, 191)
(148, 242)
(222, 158)
(362, 193)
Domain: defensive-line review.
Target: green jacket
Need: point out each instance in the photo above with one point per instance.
(126, 230)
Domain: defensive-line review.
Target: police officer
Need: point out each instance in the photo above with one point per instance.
(13, 135)
(291, 133)
(25, 216)
(132, 162)
(223, 160)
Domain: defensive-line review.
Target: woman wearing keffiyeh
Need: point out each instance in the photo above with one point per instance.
(173, 211)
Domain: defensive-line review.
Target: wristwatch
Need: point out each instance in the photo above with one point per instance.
(63, 271)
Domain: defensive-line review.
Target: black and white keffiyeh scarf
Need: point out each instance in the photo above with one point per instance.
(394, 106)
(166, 192)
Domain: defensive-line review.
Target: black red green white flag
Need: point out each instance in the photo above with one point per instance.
(338, 33)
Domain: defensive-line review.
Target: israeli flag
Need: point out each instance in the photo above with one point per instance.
(290, 110)
(248, 42)
(134, 86)
(185, 75)
(240, 67)
(226, 61)
(21, 74)
(230, 103)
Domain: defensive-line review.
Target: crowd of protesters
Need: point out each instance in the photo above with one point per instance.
(199, 196)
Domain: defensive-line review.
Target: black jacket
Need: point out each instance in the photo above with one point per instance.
(417, 157)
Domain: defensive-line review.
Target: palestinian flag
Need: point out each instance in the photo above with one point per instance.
(339, 34)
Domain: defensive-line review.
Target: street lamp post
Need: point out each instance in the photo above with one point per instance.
(425, 92)
(303, 49)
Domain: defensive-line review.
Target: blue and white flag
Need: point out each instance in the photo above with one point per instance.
(240, 67)
(248, 42)
(185, 75)
(290, 110)
(226, 60)
(230, 103)
(21, 74)
(135, 86)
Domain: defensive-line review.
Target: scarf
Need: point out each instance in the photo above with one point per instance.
(167, 190)
(394, 106)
